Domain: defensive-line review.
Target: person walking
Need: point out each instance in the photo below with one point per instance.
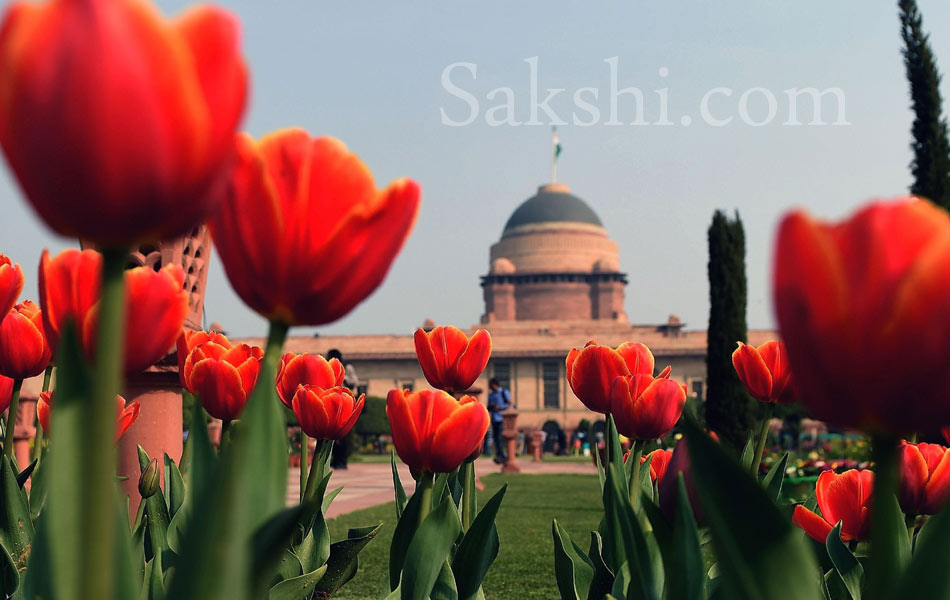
(499, 400)
(338, 454)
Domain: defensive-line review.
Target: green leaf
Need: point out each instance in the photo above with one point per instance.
(16, 526)
(685, 567)
(198, 468)
(444, 588)
(439, 488)
(661, 529)
(402, 537)
(328, 498)
(153, 587)
(603, 580)
(344, 559)
(273, 537)
(601, 473)
(646, 481)
(573, 570)
(614, 450)
(895, 541)
(846, 564)
(927, 575)
(397, 487)
(298, 588)
(478, 549)
(428, 550)
(248, 488)
(39, 488)
(174, 486)
(772, 482)
(626, 540)
(748, 453)
(25, 473)
(760, 555)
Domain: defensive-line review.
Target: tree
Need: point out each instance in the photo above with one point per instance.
(931, 163)
(729, 408)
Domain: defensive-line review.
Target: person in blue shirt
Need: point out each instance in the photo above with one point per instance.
(499, 400)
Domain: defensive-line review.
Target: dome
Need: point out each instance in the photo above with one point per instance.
(552, 204)
(502, 266)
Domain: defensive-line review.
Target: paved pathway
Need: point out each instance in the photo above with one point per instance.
(369, 484)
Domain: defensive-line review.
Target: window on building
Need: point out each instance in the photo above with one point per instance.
(406, 385)
(551, 377)
(698, 388)
(502, 372)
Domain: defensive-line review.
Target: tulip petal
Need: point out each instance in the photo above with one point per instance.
(218, 385)
(753, 372)
(457, 436)
(937, 489)
(816, 527)
(431, 365)
(593, 373)
(638, 357)
(473, 360)
(406, 435)
(657, 409)
(913, 477)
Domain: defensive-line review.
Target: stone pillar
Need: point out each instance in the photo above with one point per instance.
(158, 429)
(537, 445)
(24, 430)
(510, 433)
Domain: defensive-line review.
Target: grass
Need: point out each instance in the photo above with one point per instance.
(525, 564)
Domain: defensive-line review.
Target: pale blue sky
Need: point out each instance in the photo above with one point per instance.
(369, 72)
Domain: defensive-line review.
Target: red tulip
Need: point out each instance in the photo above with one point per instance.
(117, 122)
(126, 413)
(6, 392)
(591, 370)
(660, 459)
(156, 305)
(764, 371)
(186, 343)
(306, 369)
(645, 408)
(925, 478)
(433, 431)
(450, 360)
(327, 413)
(668, 483)
(303, 233)
(24, 350)
(223, 378)
(863, 311)
(846, 498)
(11, 284)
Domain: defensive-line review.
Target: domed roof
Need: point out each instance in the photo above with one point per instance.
(553, 203)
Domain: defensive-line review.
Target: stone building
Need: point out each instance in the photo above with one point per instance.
(554, 282)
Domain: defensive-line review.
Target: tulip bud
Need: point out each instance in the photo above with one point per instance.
(149, 482)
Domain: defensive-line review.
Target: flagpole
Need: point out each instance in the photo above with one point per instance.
(553, 154)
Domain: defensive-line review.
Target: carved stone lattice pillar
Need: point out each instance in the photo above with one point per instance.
(158, 390)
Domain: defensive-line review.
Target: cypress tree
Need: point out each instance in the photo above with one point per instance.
(729, 408)
(931, 163)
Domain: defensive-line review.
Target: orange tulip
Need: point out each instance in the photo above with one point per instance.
(764, 372)
(11, 284)
(303, 233)
(925, 478)
(126, 413)
(118, 123)
(6, 392)
(327, 413)
(450, 360)
(645, 408)
(223, 378)
(660, 459)
(433, 431)
(591, 370)
(846, 498)
(24, 350)
(863, 311)
(306, 369)
(156, 305)
(186, 343)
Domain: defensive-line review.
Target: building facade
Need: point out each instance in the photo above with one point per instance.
(554, 283)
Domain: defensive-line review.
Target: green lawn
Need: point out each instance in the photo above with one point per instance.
(524, 567)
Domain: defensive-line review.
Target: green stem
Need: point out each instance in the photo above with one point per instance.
(304, 451)
(318, 468)
(424, 489)
(11, 418)
(468, 474)
(763, 437)
(884, 559)
(225, 436)
(40, 434)
(633, 486)
(97, 488)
